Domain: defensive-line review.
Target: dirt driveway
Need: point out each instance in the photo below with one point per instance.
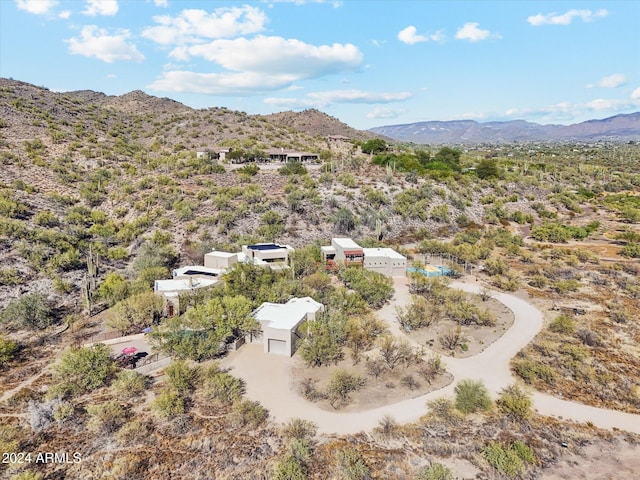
(269, 378)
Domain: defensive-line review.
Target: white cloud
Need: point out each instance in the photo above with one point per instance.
(97, 42)
(612, 81)
(37, 7)
(161, 3)
(472, 32)
(246, 83)
(330, 97)
(635, 95)
(276, 55)
(382, 112)
(410, 36)
(101, 7)
(570, 111)
(195, 26)
(335, 3)
(565, 18)
(604, 104)
(65, 14)
(358, 96)
(470, 116)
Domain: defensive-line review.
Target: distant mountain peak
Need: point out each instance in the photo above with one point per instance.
(623, 127)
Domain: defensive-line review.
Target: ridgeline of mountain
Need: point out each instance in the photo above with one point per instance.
(315, 122)
(616, 128)
(34, 112)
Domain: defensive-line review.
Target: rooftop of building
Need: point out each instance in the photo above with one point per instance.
(383, 252)
(183, 284)
(286, 316)
(218, 253)
(346, 243)
(197, 270)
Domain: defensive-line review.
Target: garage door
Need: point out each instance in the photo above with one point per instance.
(278, 346)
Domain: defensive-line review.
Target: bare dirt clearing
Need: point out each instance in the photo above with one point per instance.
(390, 387)
(475, 337)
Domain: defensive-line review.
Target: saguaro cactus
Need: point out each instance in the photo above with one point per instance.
(90, 280)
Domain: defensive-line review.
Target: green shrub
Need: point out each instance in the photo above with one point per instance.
(46, 219)
(169, 404)
(292, 168)
(299, 429)
(509, 460)
(250, 169)
(246, 412)
(472, 396)
(531, 371)
(631, 250)
(347, 179)
(181, 377)
(8, 351)
(340, 385)
(29, 311)
(290, 468)
(114, 288)
(515, 402)
(83, 370)
(563, 324)
(129, 384)
(504, 460)
(11, 276)
(106, 417)
(436, 471)
(223, 387)
(350, 464)
(136, 312)
(566, 286)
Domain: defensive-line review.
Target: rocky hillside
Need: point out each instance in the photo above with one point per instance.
(314, 122)
(30, 112)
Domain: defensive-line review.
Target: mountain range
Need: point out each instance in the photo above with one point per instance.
(617, 128)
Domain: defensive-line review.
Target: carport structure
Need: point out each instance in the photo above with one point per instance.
(280, 322)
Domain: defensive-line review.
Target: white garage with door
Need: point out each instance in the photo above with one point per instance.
(279, 347)
(280, 323)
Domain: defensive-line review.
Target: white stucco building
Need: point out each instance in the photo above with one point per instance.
(342, 250)
(269, 254)
(385, 261)
(221, 260)
(170, 290)
(382, 260)
(280, 322)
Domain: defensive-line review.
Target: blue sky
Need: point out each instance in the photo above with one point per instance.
(368, 63)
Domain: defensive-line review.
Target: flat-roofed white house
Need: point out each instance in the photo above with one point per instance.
(382, 260)
(170, 290)
(282, 155)
(270, 254)
(280, 322)
(215, 153)
(221, 260)
(198, 271)
(385, 261)
(342, 250)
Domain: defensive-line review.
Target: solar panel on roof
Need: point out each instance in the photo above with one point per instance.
(266, 246)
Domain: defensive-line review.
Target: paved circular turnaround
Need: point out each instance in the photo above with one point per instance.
(269, 379)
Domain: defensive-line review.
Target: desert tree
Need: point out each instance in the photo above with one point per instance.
(82, 370)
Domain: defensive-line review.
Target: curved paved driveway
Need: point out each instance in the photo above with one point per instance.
(269, 380)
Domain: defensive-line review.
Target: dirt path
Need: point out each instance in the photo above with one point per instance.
(268, 377)
(9, 393)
